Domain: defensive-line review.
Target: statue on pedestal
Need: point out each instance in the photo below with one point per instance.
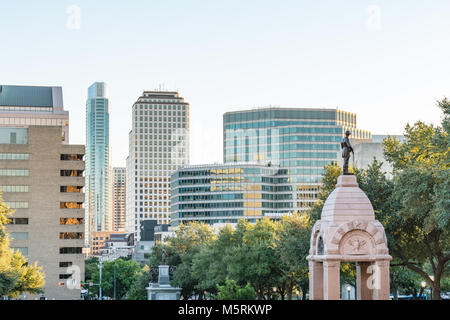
(346, 149)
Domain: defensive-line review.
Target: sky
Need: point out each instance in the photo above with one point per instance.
(387, 61)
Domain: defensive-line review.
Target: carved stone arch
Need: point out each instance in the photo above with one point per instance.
(320, 247)
(350, 233)
(357, 242)
(314, 237)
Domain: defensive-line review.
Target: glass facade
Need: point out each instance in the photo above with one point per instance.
(225, 193)
(301, 140)
(97, 171)
(13, 135)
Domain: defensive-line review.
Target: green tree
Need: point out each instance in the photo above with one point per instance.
(254, 259)
(141, 281)
(126, 272)
(16, 275)
(232, 291)
(292, 247)
(420, 227)
(329, 179)
(189, 239)
(208, 266)
(404, 281)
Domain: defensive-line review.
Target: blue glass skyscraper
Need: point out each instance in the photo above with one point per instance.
(303, 140)
(97, 160)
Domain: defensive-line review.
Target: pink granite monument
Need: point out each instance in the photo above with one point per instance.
(348, 232)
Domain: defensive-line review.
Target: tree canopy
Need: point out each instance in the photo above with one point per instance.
(16, 275)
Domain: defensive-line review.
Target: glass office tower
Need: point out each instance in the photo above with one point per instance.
(225, 193)
(97, 160)
(298, 139)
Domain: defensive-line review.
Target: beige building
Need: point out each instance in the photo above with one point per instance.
(118, 199)
(98, 240)
(41, 178)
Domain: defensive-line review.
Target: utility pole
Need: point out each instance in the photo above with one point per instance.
(100, 282)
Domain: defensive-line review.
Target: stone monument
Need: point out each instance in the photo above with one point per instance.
(348, 232)
(163, 290)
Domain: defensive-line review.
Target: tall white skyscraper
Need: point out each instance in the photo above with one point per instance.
(158, 145)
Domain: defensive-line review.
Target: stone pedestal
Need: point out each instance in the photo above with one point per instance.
(331, 280)
(316, 280)
(364, 289)
(348, 232)
(163, 290)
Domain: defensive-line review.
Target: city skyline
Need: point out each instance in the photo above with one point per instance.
(364, 57)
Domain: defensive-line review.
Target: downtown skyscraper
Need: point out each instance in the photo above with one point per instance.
(118, 195)
(158, 145)
(303, 140)
(97, 160)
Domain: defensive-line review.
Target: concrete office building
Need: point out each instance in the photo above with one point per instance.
(365, 152)
(299, 139)
(41, 177)
(158, 145)
(42, 180)
(97, 161)
(33, 106)
(224, 193)
(118, 199)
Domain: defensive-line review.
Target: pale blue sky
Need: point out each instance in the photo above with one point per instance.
(231, 55)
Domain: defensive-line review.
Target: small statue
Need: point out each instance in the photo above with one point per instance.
(346, 149)
(164, 256)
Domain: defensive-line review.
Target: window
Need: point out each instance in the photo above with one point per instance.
(71, 235)
(71, 173)
(71, 221)
(71, 189)
(65, 276)
(71, 205)
(18, 221)
(65, 264)
(70, 250)
(76, 157)
(23, 251)
(14, 172)
(5, 189)
(14, 156)
(17, 204)
(19, 235)
(13, 136)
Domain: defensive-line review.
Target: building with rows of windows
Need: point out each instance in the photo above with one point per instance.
(302, 140)
(41, 179)
(118, 199)
(98, 216)
(223, 193)
(158, 145)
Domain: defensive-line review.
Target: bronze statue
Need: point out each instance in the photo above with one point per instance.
(164, 256)
(346, 149)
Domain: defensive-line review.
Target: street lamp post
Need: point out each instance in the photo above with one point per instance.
(100, 282)
(423, 285)
(348, 292)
